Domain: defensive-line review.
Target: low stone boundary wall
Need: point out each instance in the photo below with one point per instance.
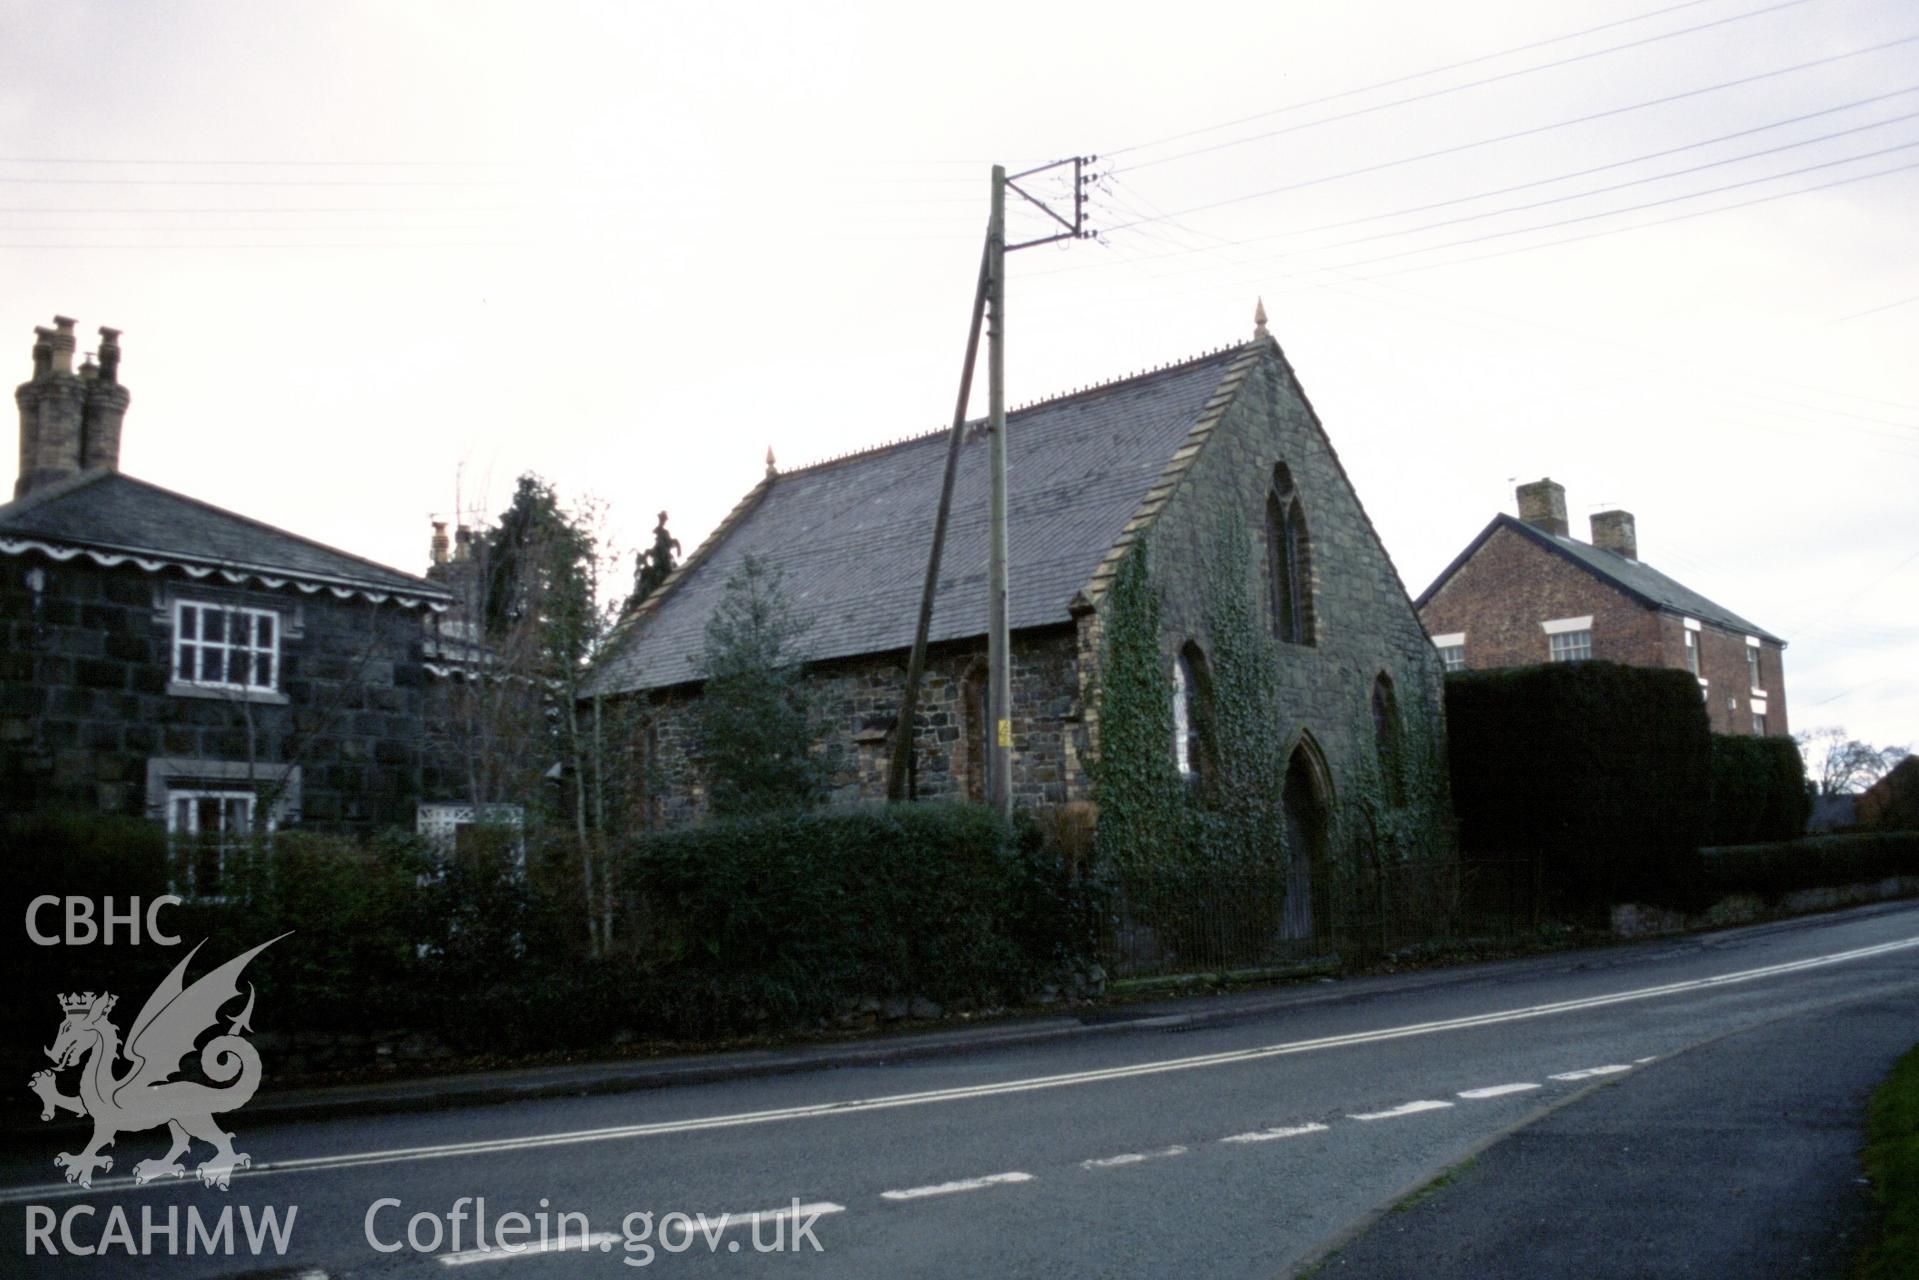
(1638, 920)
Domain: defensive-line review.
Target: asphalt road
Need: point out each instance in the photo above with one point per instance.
(1247, 1146)
(1698, 1165)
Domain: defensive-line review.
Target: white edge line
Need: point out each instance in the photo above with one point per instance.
(1497, 1090)
(492, 1146)
(951, 1188)
(1273, 1135)
(1404, 1109)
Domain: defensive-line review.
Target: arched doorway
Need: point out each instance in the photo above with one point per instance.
(1307, 809)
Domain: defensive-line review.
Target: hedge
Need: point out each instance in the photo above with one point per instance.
(790, 917)
(1758, 791)
(1815, 862)
(384, 939)
(1599, 773)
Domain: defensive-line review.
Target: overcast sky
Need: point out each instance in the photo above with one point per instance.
(373, 261)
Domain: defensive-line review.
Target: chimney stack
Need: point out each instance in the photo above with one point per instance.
(69, 421)
(106, 408)
(1613, 531)
(439, 544)
(52, 409)
(1542, 504)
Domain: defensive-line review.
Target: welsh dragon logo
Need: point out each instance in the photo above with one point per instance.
(145, 1096)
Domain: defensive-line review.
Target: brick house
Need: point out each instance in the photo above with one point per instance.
(1162, 455)
(167, 658)
(1526, 591)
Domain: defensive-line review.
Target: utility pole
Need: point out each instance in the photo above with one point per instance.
(999, 671)
(990, 298)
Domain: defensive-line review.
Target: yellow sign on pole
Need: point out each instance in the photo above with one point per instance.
(1006, 733)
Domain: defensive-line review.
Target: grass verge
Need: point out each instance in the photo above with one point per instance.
(1892, 1162)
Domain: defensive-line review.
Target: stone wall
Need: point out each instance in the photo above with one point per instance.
(1364, 622)
(853, 703)
(88, 720)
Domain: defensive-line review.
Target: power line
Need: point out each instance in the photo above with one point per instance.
(1607, 213)
(1557, 178)
(221, 248)
(282, 182)
(1398, 80)
(1795, 409)
(1660, 222)
(1635, 182)
(1460, 88)
(302, 164)
(1873, 311)
(1738, 378)
(1738, 381)
(1536, 129)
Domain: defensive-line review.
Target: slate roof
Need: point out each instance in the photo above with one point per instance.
(851, 536)
(1639, 580)
(113, 518)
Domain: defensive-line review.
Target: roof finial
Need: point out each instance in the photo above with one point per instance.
(772, 469)
(1259, 320)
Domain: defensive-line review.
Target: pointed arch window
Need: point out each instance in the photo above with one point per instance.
(1192, 716)
(1289, 561)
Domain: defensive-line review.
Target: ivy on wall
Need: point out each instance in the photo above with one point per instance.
(1135, 784)
(1238, 821)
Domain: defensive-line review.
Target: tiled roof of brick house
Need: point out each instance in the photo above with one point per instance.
(850, 536)
(113, 518)
(1636, 579)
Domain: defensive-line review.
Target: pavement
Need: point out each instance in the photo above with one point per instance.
(1695, 1166)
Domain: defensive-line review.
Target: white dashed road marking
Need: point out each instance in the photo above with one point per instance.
(602, 1241)
(1273, 1135)
(949, 1188)
(1132, 1158)
(1405, 1109)
(710, 1227)
(1588, 1073)
(1497, 1090)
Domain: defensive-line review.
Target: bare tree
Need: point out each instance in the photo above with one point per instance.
(1839, 765)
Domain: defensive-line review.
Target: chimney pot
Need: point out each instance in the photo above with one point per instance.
(1613, 531)
(1542, 504)
(109, 354)
(63, 344)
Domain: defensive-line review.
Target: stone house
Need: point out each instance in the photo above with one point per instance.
(1164, 456)
(1525, 591)
(167, 658)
